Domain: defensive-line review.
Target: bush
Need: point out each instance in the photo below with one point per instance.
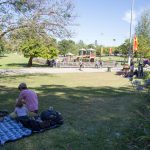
(147, 75)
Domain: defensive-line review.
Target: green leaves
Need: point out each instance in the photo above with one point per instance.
(143, 34)
(124, 48)
(66, 46)
(34, 47)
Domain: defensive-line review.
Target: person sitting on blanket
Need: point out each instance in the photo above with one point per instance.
(30, 98)
(21, 110)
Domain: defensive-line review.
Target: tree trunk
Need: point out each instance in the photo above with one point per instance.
(30, 61)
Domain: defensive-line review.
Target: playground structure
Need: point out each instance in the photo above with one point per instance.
(86, 55)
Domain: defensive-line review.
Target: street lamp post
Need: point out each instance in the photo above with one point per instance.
(130, 48)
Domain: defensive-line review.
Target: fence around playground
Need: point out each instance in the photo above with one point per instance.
(105, 64)
(87, 64)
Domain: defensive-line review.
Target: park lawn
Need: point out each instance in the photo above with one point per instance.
(98, 108)
(12, 60)
(15, 61)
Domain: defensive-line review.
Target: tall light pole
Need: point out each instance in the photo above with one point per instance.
(130, 48)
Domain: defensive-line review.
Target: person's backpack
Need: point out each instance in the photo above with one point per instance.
(47, 120)
(31, 124)
(53, 116)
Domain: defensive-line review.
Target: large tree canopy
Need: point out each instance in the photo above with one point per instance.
(33, 47)
(143, 34)
(53, 17)
(28, 42)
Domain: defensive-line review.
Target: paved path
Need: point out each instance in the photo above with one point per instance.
(52, 70)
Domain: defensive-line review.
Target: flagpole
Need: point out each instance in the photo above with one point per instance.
(130, 48)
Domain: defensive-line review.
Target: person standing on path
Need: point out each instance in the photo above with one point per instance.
(80, 65)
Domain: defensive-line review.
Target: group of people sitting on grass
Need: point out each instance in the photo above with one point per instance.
(134, 72)
(26, 111)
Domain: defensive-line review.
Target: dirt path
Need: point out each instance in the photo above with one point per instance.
(51, 70)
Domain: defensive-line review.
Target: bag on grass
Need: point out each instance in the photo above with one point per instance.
(53, 116)
(47, 120)
(31, 124)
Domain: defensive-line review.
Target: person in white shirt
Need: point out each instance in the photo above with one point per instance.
(21, 111)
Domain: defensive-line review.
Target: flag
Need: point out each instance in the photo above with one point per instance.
(135, 44)
(110, 51)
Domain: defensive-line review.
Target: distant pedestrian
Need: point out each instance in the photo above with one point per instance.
(140, 70)
(97, 64)
(135, 73)
(80, 65)
(100, 63)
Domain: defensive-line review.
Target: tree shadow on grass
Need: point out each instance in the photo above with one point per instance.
(1, 56)
(17, 65)
(10, 78)
(92, 115)
(25, 65)
(61, 96)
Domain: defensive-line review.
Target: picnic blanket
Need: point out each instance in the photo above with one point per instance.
(11, 130)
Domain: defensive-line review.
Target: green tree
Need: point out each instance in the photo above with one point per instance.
(124, 48)
(98, 50)
(54, 17)
(143, 34)
(80, 45)
(106, 50)
(91, 46)
(66, 46)
(33, 47)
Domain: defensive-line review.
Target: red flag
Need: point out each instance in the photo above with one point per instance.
(135, 44)
(110, 51)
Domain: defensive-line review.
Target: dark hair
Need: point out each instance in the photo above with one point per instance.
(19, 104)
(22, 86)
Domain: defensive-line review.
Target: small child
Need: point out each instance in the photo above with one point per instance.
(21, 111)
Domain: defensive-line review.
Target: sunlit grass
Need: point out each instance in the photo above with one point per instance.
(13, 60)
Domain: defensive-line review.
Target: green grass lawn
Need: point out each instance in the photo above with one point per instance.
(15, 61)
(98, 109)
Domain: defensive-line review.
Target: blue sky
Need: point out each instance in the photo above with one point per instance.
(105, 20)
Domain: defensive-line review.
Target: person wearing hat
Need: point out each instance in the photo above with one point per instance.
(29, 98)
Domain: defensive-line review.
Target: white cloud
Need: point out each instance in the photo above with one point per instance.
(127, 17)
